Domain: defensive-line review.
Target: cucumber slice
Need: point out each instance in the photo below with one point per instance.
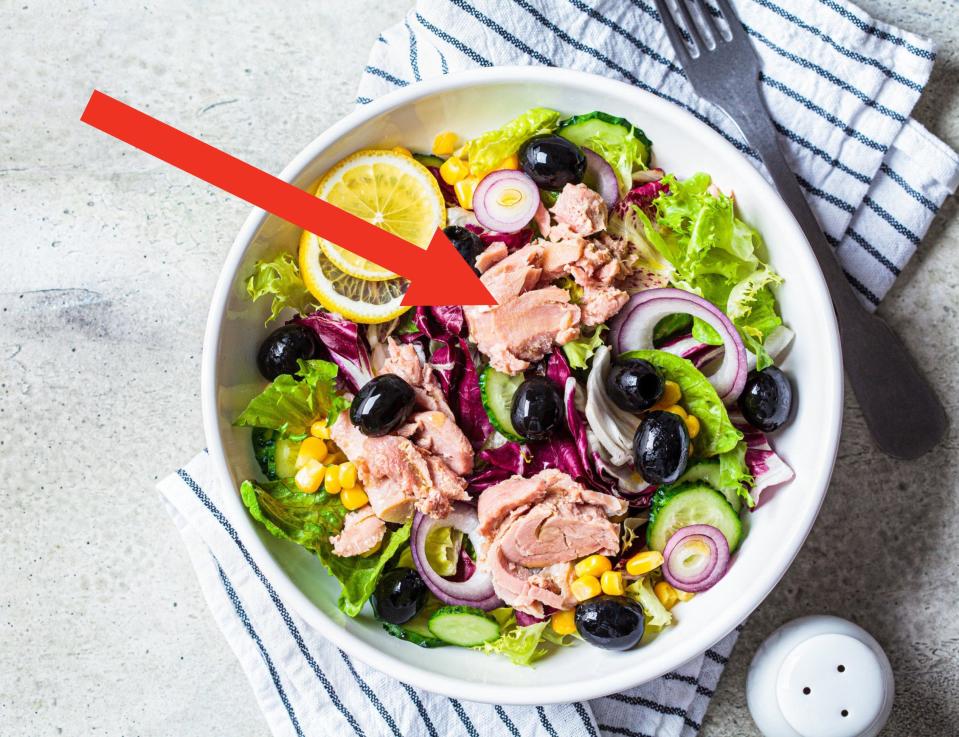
(613, 130)
(496, 393)
(707, 470)
(691, 504)
(429, 160)
(464, 626)
(264, 450)
(416, 634)
(285, 454)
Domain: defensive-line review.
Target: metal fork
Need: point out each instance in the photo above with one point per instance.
(902, 411)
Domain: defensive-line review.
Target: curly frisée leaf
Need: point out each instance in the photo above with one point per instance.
(579, 351)
(290, 405)
(641, 590)
(280, 278)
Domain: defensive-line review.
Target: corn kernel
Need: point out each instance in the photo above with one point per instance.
(444, 143)
(678, 411)
(564, 623)
(666, 594)
(648, 560)
(671, 395)
(510, 162)
(464, 189)
(320, 429)
(347, 475)
(586, 587)
(354, 498)
(612, 583)
(332, 485)
(311, 449)
(692, 424)
(309, 478)
(594, 565)
(453, 170)
(402, 151)
(684, 595)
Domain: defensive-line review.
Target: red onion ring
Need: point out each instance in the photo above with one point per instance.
(505, 217)
(476, 591)
(601, 178)
(687, 569)
(632, 330)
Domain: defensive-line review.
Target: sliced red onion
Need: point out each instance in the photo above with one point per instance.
(696, 557)
(700, 354)
(632, 330)
(601, 178)
(505, 200)
(477, 590)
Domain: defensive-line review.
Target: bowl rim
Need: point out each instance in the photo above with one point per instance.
(644, 670)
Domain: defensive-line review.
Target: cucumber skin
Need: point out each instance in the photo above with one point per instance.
(264, 449)
(707, 471)
(665, 494)
(504, 428)
(414, 638)
(459, 615)
(611, 120)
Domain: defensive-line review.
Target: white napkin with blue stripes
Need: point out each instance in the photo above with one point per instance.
(841, 87)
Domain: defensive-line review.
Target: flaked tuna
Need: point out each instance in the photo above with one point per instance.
(515, 274)
(581, 209)
(440, 435)
(362, 532)
(494, 253)
(535, 529)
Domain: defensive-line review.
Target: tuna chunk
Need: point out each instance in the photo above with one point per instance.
(362, 532)
(581, 209)
(515, 274)
(440, 435)
(495, 253)
(560, 254)
(404, 362)
(536, 527)
(398, 475)
(524, 329)
(598, 304)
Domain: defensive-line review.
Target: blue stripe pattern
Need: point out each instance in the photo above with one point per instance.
(464, 717)
(501, 713)
(915, 194)
(374, 699)
(454, 42)
(383, 74)
(877, 32)
(281, 608)
(245, 620)
(587, 722)
(493, 25)
(414, 61)
(544, 720)
(418, 703)
(871, 250)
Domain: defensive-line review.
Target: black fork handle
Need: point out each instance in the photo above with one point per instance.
(901, 408)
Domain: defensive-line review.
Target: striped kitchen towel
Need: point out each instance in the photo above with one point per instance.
(840, 86)
(307, 687)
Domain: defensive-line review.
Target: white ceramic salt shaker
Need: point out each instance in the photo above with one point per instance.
(820, 676)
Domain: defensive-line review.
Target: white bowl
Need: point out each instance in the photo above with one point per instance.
(469, 103)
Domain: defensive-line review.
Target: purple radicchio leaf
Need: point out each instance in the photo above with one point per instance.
(344, 344)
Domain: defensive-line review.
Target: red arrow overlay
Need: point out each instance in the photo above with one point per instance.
(438, 275)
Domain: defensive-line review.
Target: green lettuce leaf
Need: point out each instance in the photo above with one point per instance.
(657, 616)
(579, 351)
(734, 473)
(291, 406)
(280, 278)
(485, 152)
(520, 644)
(716, 255)
(717, 434)
(311, 520)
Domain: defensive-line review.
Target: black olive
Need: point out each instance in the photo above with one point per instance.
(399, 595)
(610, 622)
(552, 162)
(767, 399)
(537, 409)
(467, 243)
(382, 405)
(634, 384)
(661, 447)
(282, 348)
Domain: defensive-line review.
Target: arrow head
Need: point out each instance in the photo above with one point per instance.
(441, 276)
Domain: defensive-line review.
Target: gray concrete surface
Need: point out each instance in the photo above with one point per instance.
(109, 259)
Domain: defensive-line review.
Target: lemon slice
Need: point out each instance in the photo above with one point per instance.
(390, 190)
(359, 300)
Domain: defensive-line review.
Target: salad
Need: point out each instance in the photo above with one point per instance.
(567, 465)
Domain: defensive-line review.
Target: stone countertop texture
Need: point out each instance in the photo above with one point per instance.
(110, 258)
